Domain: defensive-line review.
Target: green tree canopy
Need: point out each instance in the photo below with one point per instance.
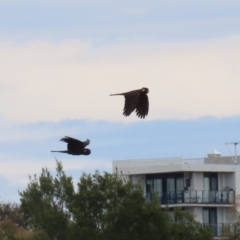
(102, 207)
(185, 227)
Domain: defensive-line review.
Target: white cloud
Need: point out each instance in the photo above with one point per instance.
(49, 81)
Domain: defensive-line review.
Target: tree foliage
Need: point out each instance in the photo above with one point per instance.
(12, 222)
(186, 228)
(45, 202)
(233, 232)
(102, 207)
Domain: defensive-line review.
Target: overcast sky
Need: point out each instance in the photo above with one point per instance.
(60, 60)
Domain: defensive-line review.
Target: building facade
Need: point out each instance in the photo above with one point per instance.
(205, 187)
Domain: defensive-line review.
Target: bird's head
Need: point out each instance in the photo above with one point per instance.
(86, 151)
(145, 90)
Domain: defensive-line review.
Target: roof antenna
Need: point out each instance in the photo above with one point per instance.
(235, 148)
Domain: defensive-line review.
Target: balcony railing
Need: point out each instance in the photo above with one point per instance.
(221, 229)
(194, 197)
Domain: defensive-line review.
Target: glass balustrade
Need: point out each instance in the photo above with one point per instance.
(194, 196)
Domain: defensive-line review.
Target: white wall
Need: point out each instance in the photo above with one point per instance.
(224, 215)
(220, 215)
(237, 179)
(197, 181)
(226, 180)
(197, 213)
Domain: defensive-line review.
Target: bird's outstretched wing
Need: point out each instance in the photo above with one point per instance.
(135, 100)
(143, 105)
(69, 139)
(131, 102)
(73, 144)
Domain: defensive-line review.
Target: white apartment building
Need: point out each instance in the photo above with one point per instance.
(206, 187)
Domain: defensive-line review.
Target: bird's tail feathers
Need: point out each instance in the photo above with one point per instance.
(60, 151)
(116, 94)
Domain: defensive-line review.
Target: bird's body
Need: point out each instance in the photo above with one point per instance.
(135, 100)
(75, 146)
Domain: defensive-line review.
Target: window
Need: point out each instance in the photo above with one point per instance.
(169, 187)
(210, 187)
(158, 186)
(211, 181)
(210, 218)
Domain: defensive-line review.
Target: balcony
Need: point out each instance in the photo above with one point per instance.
(194, 197)
(221, 229)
